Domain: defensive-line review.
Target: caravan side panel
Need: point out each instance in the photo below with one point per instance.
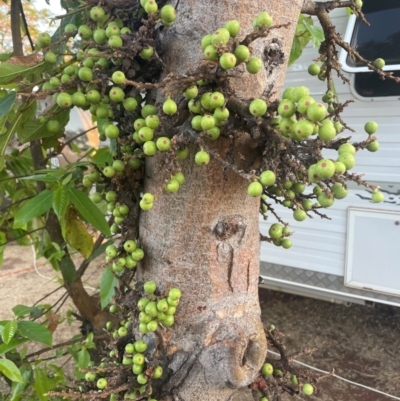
(319, 245)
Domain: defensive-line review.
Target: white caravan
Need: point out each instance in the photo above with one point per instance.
(355, 257)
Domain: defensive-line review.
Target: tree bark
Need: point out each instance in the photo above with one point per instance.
(204, 239)
(16, 27)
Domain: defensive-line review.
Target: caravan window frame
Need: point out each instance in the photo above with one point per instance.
(343, 53)
(374, 91)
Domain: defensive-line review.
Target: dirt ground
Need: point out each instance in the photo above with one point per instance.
(361, 343)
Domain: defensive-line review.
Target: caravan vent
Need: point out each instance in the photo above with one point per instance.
(372, 254)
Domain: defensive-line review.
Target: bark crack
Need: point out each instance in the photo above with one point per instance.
(248, 275)
(192, 360)
(180, 375)
(230, 269)
(225, 256)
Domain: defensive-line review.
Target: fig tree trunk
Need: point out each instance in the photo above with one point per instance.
(204, 239)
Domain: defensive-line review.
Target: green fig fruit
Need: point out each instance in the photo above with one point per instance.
(373, 146)
(254, 65)
(347, 159)
(255, 189)
(379, 63)
(314, 69)
(220, 37)
(258, 107)
(378, 197)
(242, 53)
(233, 27)
(267, 178)
(371, 127)
(275, 231)
(286, 108)
(210, 53)
(263, 20)
(202, 158)
(316, 112)
(227, 61)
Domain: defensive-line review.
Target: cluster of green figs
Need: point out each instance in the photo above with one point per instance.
(300, 117)
(269, 370)
(154, 310)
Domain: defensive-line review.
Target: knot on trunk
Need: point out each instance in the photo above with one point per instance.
(230, 229)
(236, 352)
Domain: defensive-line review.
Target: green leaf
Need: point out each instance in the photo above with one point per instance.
(9, 330)
(14, 343)
(113, 145)
(41, 177)
(22, 310)
(37, 311)
(10, 370)
(103, 156)
(55, 375)
(68, 270)
(295, 51)
(18, 388)
(100, 250)
(54, 171)
(107, 286)
(60, 201)
(5, 120)
(24, 114)
(35, 332)
(5, 138)
(6, 103)
(83, 358)
(13, 72)
(75, 148)
(305, 31)
(82, 363)
(89, 211)
(317, 34)
(34, 207)
(75, 18)
(66, 180)
(304, 39)
(5, 56)
(23, 238)
(36, 129)
(28, 111)
(42, 384)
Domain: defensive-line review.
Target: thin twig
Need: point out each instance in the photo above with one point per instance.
(22, 236)
(78, 135)
(62, 298)
(64, 344)
(47, 295)
(26, 27)
(78, 10)
(84, 265)
(66, 295)
(262, 33)
(15, 203)
(67, 143)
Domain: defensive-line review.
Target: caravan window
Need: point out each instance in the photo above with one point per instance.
(369, 84)
(382, 38)
(379, 40)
